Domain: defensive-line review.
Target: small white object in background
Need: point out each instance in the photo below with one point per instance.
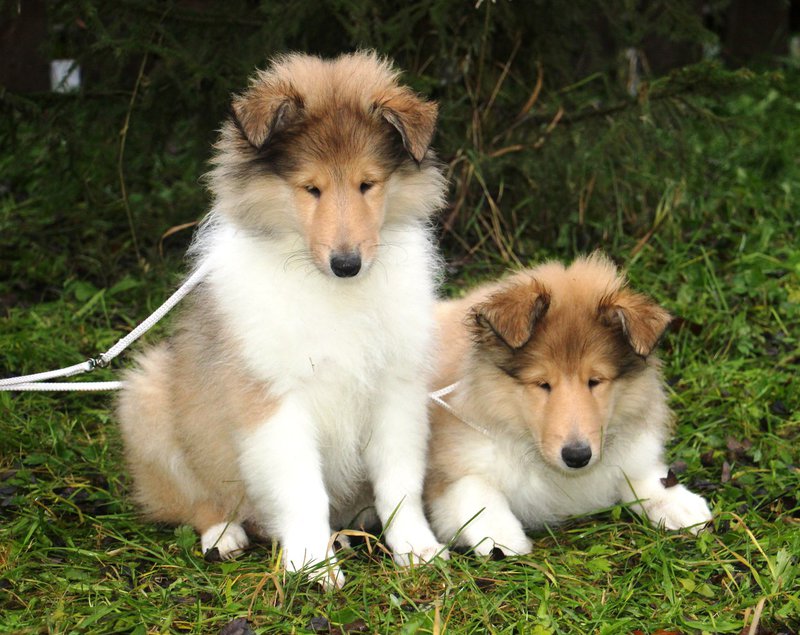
(794, 48)
(634, 60)
(65, 76)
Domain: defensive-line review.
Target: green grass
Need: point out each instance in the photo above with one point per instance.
(705, 219)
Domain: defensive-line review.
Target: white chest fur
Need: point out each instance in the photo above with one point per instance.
(295, 325)
(538, 494)
(336, 344)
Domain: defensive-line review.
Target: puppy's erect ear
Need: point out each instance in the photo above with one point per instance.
(511, 314)
(413, 117)
(265, 108)
(641, 320)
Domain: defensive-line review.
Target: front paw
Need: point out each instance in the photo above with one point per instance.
(421, 554)
(328, 574)
(678, 508)
(416, 547)
(412, 542)
(517, 545)
(318, 563)
(501, 530)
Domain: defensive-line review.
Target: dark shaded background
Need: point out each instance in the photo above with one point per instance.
(545, 107)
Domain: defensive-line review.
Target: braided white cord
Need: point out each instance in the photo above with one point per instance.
(190, 283)
(443, 392)
(76, 386)
(436, 397)
(50, 374)
(32, 382)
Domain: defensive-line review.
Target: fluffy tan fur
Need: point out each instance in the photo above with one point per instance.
(179, 446)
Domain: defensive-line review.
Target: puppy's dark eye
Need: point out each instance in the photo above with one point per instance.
(314, 191)
(544, 386)
(366, 186)
(593, 382)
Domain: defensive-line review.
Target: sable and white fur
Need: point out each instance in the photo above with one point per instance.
(293, 391)
(560, 404)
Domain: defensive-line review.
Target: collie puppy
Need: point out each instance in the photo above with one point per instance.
(292, 393)
(559, 408)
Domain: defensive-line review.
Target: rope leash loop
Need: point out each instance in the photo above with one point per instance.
(38, 381)
(69, 371)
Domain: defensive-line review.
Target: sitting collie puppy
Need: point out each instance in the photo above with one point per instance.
(293, 392)
(559, 408)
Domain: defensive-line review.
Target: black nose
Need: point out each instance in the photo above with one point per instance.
(345, 264)
(576, 454)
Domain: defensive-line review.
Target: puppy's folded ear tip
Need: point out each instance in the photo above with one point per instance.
(511, 313)
(264, 110)
(642, 321)
(413, 117)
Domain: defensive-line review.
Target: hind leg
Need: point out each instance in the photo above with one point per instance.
(165, 486)
(173, 504)
(177, 499)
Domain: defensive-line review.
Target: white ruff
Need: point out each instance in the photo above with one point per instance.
(296, 324)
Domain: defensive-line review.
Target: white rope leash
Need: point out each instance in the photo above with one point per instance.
(70, 386)
(436, 397)
(38, 381)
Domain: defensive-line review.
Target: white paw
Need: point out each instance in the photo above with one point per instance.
(509, 545)
(421, 554)
(502, 530)
(230, 540)
(319, 564)
(415, 545)
(326, 573)
(678, 508)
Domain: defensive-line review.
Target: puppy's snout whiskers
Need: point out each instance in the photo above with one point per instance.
(299, 261)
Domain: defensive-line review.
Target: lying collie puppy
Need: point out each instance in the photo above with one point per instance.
(296, 379)
(559, 408)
